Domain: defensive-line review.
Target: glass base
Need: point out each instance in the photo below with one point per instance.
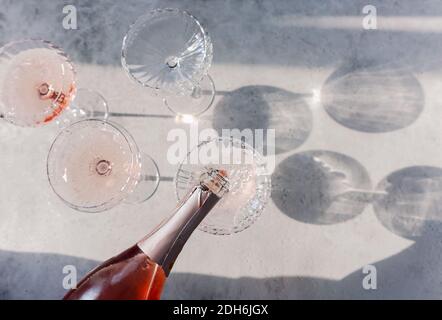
(87, 104)
(148, 183)
(197, 102)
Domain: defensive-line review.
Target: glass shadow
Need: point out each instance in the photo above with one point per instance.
(372, 97)
(266, 107)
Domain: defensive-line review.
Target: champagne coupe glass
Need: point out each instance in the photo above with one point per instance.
(249, 182)
(94, 165)
(37, 85)
(168, 51)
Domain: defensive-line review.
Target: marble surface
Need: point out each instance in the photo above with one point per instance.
(358, 179)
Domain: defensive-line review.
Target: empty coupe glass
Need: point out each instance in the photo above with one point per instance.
(169, 51)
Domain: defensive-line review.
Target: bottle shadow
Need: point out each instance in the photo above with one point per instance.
(193, 286)
(413, 273)
(26, 275)
(372, 97)
(265, 107)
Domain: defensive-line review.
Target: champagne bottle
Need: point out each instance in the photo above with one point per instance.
(139, 273)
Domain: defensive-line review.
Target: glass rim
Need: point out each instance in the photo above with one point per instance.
(135, 155)
(262, 191)
(145, 17)
(36, 43)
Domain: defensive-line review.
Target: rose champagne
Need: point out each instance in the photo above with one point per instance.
(139, 273)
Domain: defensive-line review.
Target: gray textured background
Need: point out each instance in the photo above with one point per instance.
(354, 110)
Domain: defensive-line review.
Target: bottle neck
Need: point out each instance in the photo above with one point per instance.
(164, 244)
